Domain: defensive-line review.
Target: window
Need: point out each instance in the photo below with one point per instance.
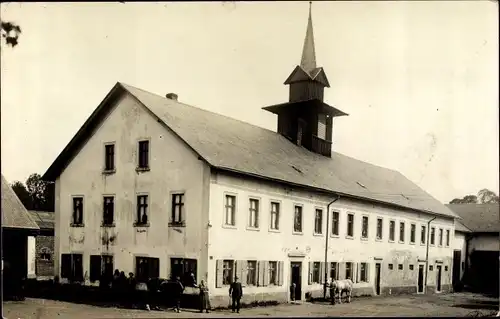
(146, 268)
(422, 235)
(400, 266)
(335, 223)
(228, 272)
(252, 273)
(363, 272)
(45, 254)
(230, 210)
(322, 126)
(392, 230)
(402, 232)
(440, 237)
(178, 217)
(447, 237)
(315, 272)
(350, 225)
(411, 267)
(254, 213)
(77, 211)
(275, 215)
(109, 157)
(108, 210)
(297, 219)
(72, 267)
(142, 209)
(185, 269)
(412, 233)
(100, 266)
(334, 271)
(391, 266)
(433, 235)
(364, 227)
(348, 270)
(144, 154)
(273, 273)
(379, 228)
(431, 267)
(318, 221)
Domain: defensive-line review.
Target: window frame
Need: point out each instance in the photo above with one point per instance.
(365, 232)
(316, 210)
(139, 273)
(432, 238)
(109, 169)
(381, 237)
(334, 269)
(316, 272)
(230, 270)
(423, 239)
(335, 232)
(365, 279)
(233, 210)
(140, 165)
(252, 275)
(138, 221)
(413, 233)
(351, 224)
(277, 214)
(392, 231)
(402, 232)
(273, 273)
(447, 242)
(440, 237)
(105, 221)
(300, 208)
(253, 214)
(75, 223)
(73, 276)
(174, 221)
(351, 268)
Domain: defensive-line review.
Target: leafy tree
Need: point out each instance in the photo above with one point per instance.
(10, 33)
(37, 194)
(22, 193)
(484, 196)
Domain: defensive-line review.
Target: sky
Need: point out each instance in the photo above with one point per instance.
(418, 79)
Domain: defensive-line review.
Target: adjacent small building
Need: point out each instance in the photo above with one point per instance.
(17, 226)
(41, 247)
(160, 188)
(477, 246)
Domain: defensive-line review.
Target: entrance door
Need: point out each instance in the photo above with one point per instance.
(377, 278)
(420, 288)
(296, 271)
(438, 278)
(457, 259)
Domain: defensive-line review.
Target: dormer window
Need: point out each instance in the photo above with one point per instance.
(322, 126)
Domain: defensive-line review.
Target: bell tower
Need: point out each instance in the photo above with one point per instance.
(305, 119)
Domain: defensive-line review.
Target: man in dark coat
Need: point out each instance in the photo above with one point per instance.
(236, 292)
(178, 289)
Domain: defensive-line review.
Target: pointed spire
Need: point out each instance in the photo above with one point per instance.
(308, 62)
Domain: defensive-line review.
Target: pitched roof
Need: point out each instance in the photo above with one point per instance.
(236, 146)
(461, 227)
(44, 220)
(14, 214)
(478, 217)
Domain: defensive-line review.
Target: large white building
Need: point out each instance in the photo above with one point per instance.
(157, 187)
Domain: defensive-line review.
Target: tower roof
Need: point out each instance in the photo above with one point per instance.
(308, 61)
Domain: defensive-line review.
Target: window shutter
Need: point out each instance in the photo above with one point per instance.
(260, 267)
(367, 272)
(280, 273)
(219, 273)
(322, 272)
(243, 271)
(265, 270)
(328, 271)
(237, 270)
(310, 277)
(341, 270)
(358, 272)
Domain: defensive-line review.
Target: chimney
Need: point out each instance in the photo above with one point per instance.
(172, 96)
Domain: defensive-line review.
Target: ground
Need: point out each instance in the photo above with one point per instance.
(455, 305)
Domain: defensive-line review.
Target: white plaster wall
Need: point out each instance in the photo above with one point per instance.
(173, 167)
(31, 257)
(239, 243)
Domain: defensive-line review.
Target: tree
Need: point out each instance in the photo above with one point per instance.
(484, 196)
(23, 194)
(37, 194)
(487, 197)
(10, 33)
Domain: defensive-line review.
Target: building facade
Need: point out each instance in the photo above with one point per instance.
(156, 187)
(41, 247)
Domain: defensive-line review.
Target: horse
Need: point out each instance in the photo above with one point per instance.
(341, 286)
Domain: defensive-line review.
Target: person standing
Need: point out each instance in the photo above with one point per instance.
(236, 292)
(204, 297)
(178, 289)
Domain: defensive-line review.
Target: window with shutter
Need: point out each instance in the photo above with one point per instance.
(251, 273)
(243, 274)
(280, 273)
(265, 273)
(260, 267)
(219, 273)
(310, 276)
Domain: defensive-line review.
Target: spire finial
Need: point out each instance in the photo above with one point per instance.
(308, 62)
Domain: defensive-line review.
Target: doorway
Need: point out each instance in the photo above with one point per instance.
(420, 288)
(377, 278)
(457, 259)
(438, 278)
(296, 274)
